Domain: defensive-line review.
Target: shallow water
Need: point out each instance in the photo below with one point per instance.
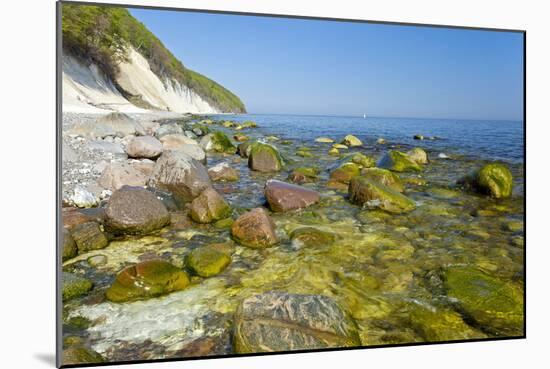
(379, 269)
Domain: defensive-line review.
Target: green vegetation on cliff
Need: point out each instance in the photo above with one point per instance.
(101, 35)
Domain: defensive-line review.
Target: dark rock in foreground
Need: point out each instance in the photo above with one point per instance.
(134, 210)
(145, 280)
(278, 321)
(283, 196)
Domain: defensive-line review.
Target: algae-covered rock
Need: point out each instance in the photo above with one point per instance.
(341, 176)
(418, 155)
(495, 305)
(493, 179)
(310, 236)
(75, 355)
(264, 158)
(243, 149)
(88, 236)
(351, 140)
(240, 137)
(254, 229)
(278, 321)
(134, 210)
(209, 207)
(73, 285)
(385, 177)
(207, 261)
(334, 152)
(398, 162)
(70, 249)
(339, 146)
(441, 325)
(303, 175)
(145, 280)
(324, 140)
(218, 142)
(283, 196)
(362, 160)
(366, 192)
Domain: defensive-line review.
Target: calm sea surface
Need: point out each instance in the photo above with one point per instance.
(494, 140)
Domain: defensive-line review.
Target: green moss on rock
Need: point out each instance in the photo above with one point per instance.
(366, 192)
(222, 144)
(207, 261)
(310, 236)
(493, 179)
(398, 162)
(385, 177)
(264, 158)
(74, 286)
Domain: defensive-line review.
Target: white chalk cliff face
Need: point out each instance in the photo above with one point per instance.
(87, 90)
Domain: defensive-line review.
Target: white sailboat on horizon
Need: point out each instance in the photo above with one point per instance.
(364, 116)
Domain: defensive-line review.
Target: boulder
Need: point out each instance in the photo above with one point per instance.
(148, 279)
(324, 140)
(122, 124)
(381, 141)
(282, 196)
(73, 286)
(385, 177)
(180, 175)
(418, 137)
(279, 321)
(351, 141)
(218, 142)
(83, 198)
(360, 159)
(366, 192)
(240, 137)
(207, 261)
(310, 236)
(264, 158)
(339, 147)
(334, 152)
(88, 236)
(341, 176)
(493, 179)
(144, 147)
(418, 155)
(175, 141)
(244, 149)
(134, 210)
(209, 207)
(497, 306)
(69, 250)
(168, 129)
(398, 162)
(78, 355)
(113, 148)
(145, 166)
(303, 175)
(222, 172)
(116, 175)
(254, 229)
(73, 216)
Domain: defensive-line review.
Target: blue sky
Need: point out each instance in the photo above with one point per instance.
(296, 66)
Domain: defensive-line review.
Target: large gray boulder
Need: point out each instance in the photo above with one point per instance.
(116, 175)
(181, 175)
(144, 147)
(122, 124)
(279, 321)
(134, 210)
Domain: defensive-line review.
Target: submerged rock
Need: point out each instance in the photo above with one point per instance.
(134, 210)
(418, 155)
(341, 176)
(278, 321)
(254, 229)
(310, 236)
(116, 175)
(441, 325)
(283, 196)
(384, 177)
(74, 286)
(360, 159)
(303, 175)
(222, 172)
(398, 162)
(495, 305)
(418, 137)
(180, 175)
(493, 179)
(264, 158)
(76, 355)
(88, 236)
(334, 152)
(207, 261)
(144, 147)
(209, 207)
(366, 192)
(146, 280)
(324, 140)
(351, 140)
